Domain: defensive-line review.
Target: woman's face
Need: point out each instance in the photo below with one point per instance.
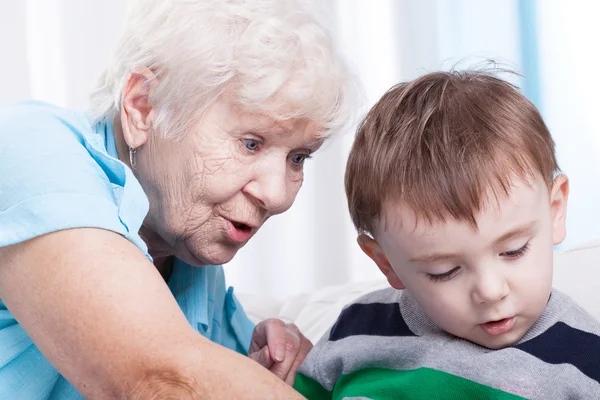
(211, 191)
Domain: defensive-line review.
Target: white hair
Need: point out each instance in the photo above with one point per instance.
(271, 55)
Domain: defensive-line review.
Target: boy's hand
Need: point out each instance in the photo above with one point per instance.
(279, 347)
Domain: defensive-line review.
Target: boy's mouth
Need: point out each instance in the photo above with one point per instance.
(499, 327)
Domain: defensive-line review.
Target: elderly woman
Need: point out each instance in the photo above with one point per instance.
(113, 224)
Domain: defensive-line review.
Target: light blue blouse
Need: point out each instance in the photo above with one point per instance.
(58, 171)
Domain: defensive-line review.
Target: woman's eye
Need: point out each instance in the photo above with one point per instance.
(443, 277)
(251, 144)
(514, 254)
(299, 159)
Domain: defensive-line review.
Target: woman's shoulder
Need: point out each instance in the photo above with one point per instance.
(39, 127)
(27, 113)
(34, 131)
(56, 174)
(40, 142)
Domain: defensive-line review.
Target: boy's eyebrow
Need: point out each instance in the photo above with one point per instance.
(433, 257)
(518, 231)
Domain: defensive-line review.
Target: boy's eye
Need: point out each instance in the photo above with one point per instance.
(445, 276)
(514, 254)
(251, 144)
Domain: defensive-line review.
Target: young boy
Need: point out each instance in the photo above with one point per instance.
(453, 185)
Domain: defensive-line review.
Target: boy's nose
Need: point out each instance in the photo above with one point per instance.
(490, 288)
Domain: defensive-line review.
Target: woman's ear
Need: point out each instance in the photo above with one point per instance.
(370, 247)
(559, 194)
(137, 112)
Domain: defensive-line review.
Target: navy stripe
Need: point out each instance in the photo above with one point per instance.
(376, 319)
(562, 344)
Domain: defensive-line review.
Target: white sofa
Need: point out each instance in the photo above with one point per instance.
(576, 272)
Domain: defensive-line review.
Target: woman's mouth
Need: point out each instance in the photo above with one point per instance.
(241, 226)
(238, 231)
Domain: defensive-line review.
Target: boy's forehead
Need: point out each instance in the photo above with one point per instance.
(523, 203)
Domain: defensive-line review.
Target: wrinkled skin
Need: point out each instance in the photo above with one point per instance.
(233, 166)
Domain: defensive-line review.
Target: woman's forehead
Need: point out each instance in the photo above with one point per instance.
(266, 123)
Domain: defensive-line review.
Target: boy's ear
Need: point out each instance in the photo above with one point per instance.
(559, 194)
(370, 247)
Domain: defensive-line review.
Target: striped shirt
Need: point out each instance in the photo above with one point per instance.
(383, 346)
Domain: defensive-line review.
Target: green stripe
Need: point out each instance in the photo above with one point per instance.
(388, 384)
(310, 388)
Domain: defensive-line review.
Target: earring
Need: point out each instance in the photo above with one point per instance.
(132, 157)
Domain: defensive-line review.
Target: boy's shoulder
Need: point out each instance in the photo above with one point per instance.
(387, 296)
(565, 335)
(562, 310)
(564, 330)
(374, 314)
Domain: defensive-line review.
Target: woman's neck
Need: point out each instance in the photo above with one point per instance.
(164, 265)
(122, 148)
(163, 260)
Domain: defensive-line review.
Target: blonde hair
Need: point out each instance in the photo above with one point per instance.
(267, 55)
(438, 144)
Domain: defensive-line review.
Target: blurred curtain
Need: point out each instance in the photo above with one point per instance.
(54, 50)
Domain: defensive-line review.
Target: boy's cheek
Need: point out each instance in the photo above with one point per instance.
(536, 272)
(440, 304)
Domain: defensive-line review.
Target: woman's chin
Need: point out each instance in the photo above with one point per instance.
(217, 254)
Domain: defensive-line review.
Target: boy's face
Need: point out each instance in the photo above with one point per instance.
(487, 285)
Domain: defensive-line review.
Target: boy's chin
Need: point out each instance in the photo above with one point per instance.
(496, 346)
(497, 342)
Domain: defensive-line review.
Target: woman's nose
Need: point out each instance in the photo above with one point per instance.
(269, 188)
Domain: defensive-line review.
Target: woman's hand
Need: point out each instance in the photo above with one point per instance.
(280, 347)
